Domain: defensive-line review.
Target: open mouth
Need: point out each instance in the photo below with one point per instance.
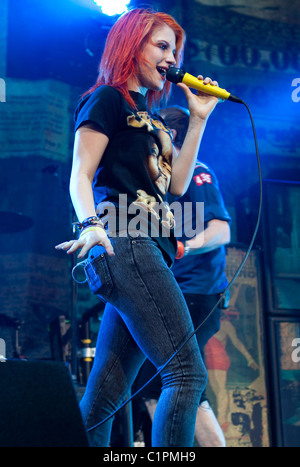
(162, 71)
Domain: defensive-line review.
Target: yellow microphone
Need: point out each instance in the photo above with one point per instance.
(176, 75)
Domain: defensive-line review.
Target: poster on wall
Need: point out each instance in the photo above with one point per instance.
(282, 245)
(285, 350)
(235, 359)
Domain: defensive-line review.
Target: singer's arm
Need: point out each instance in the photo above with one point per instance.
(200, 106)
(89, 147)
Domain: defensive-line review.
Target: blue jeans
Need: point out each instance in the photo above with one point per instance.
(145, 317)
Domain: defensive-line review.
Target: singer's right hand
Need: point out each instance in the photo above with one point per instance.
(86, 242)
(201, 104)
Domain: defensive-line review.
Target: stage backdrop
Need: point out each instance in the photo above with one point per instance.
(236, 358)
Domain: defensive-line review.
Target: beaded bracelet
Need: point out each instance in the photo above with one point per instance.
(90, 229)
(93, 220)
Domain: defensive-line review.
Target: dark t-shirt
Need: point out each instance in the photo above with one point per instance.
(132, 180)
(203, 273)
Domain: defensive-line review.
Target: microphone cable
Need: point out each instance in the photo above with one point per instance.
(223, 294)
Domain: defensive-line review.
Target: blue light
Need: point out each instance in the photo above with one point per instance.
(113, 7)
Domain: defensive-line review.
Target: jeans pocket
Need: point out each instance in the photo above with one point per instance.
(98, 276)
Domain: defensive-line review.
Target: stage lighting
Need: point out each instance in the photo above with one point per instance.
(113, 7)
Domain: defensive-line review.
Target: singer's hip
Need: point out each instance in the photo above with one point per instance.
(135, 258)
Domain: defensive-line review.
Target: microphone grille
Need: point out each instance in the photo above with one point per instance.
(175, 75)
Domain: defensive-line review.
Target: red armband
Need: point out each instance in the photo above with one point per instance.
(180, 250)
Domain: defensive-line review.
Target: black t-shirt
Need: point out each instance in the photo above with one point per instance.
(132, 180)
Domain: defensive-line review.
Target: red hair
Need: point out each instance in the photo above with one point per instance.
(123, 49)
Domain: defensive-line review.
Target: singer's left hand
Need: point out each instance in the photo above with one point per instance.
(200, 105)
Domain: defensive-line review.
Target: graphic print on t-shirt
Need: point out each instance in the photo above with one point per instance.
(159, 164)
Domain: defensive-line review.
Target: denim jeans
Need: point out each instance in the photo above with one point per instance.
(145, 317)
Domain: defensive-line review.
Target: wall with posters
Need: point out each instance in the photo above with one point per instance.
(235, 358)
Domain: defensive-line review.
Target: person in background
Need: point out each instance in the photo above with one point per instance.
(200, 272)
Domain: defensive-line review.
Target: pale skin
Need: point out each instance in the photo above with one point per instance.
(208, 432)
(216, 234)
(90, 144)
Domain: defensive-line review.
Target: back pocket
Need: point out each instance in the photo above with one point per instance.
(98, 276)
